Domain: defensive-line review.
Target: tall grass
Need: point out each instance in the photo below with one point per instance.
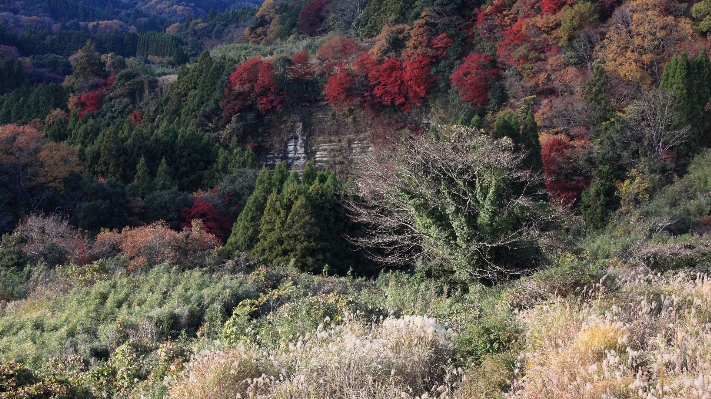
(398, 356)
(651, 339)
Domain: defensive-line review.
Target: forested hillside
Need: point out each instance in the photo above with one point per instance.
(355, 198)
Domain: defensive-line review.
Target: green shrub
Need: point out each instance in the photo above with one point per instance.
(93, 321)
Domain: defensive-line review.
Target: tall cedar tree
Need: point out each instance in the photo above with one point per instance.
(246, 229)
(690, 82)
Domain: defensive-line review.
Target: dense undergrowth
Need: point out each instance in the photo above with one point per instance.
(623, 314)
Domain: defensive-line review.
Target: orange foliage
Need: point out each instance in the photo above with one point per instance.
(58, 161)
(640, 39)
(156, 243)
(19, 142)
(136, 117)
(390, 41)
(262, 30)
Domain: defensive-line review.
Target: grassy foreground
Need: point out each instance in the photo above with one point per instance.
(625, 313)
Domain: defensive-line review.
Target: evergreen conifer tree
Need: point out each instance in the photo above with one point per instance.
(310, 174)
(302, 237)
(280, 176)
(142, 180)
(507, 126)
(595, 94)
(529, 137)
(245, 231)
(270, 241)
(164, 179)
(690, 82)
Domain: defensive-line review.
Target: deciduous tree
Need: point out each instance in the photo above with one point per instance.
(474, 77)
(640, 39)
(450, 201)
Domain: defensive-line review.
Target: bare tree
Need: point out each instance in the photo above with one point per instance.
(655, 124)
(460, 200)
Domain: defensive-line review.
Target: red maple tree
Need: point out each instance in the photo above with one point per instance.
(300, 70)
(136, 117)
(337, 51)
(565, 176)
(514, 37)
(252, 81)
(90, 102)
(338, 88)
(213, 221)
(552, 6)
(474, 77)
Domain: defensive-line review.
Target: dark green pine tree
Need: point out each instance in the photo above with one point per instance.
(701, 92)
(106, 157)
(333, 223)
(280, 176)
(245, 231)
(507, 126)
(88, 66)
(302, 238)
(310, 174)
(599, 201)
(690, 82)
(531, 142)
(142, 180)
(270, 241)
(595, 94)
(164, 178)
(192, 159)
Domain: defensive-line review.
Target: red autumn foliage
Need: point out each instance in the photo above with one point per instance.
(390, 88)
(300, 70)
(90, 101)
(494, 19)
(312, 17)
(213, 221)
(514, 37)
(565, 175)
(552, 6)
(394, 83)
(136, 117)
(252, 81)
(338, 88)
(417, 78)
(338, 51)
(110, 81)
(474, 77)
(440, 44)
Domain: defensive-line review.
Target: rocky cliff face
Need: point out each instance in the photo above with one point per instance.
(327, 137)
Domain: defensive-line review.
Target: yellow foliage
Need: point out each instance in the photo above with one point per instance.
(632, 191)
(594, 340)
(640, 41)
